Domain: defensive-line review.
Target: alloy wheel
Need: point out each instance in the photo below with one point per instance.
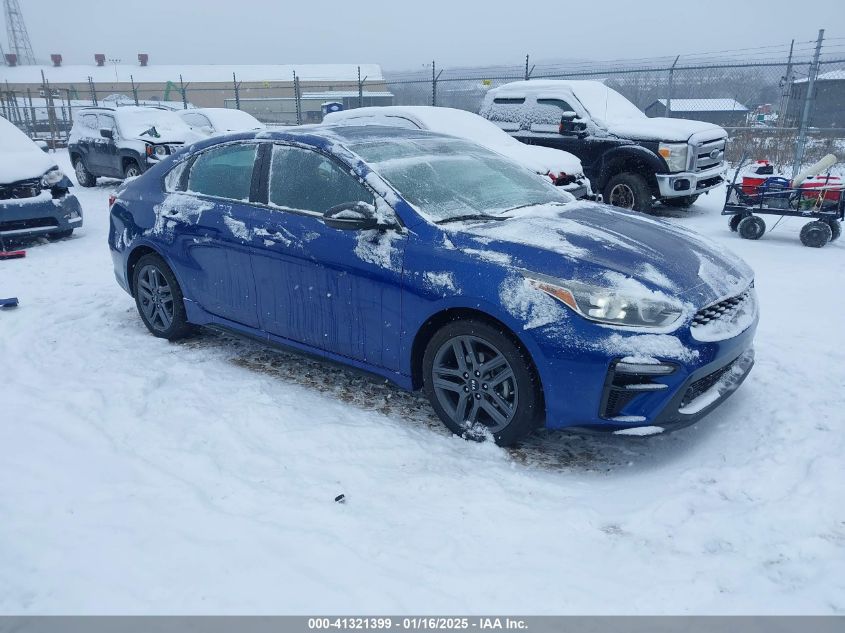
(156, 298)
(474, 383)
(622, 196)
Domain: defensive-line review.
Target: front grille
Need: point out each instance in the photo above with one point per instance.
(702, 159)
(22, 225)
(723, 309)
(20, 190)
(701, 385)
(616, 401)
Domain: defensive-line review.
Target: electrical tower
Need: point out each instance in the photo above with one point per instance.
(16, 31)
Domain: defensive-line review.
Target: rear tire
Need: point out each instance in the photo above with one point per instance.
(835, 229)
(751, 227)
(628, 191)
(680, 203)
(477, 378)
(159, 298)
(816, 234)
(84, 177)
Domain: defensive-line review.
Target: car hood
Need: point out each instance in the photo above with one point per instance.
(543, 160)
(598, 244)
(24, 165)
(662, 129)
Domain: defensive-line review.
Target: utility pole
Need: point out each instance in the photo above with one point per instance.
(527, 72)
(786, 89)
(671, 87)
(808, 103)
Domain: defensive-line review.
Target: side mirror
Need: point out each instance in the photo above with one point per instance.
(352, 216)
(109, 134)
(43, 146)
(571, 123)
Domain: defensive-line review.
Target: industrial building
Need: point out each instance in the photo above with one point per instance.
(724, 111)
(273, 93)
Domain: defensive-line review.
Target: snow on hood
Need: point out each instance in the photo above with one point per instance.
(598, 244)
(20, 158)
(660, 129)
(466, 125)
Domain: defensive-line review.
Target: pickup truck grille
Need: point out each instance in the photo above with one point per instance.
(707, 154)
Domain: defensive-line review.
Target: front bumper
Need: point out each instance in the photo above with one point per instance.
(42, 215)
(689, 183)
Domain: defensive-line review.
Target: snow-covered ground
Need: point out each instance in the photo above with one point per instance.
(139, 476)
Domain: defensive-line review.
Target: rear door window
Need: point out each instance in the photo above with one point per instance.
(224, 172)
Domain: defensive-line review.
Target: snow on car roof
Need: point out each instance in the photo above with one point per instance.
(227, 119)
(194, 73)
(469, 126)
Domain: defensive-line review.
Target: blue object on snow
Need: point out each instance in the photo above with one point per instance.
(11, 302)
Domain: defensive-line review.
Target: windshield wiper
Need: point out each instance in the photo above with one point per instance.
(472, 216)
(535, 204)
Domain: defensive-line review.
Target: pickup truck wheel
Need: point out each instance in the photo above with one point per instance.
(84, 177)
(628, 191)
(682, 202)
(131, 169)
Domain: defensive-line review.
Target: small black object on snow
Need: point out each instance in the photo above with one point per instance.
(11, 302)
(341, 498)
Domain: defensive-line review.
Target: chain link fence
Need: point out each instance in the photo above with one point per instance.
(783, 103)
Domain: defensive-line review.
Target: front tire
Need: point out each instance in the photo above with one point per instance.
(159, 298)
(131, 169)
(84, 177)
(628, 191)
(478, 379)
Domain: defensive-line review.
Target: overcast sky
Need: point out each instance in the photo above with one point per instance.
(402, 35)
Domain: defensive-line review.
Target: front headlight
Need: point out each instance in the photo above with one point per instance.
(52, 177)
(160, 151)
(610, 305)
(675, 155)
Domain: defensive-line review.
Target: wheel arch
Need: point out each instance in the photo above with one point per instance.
(633, 159)
(437, 320)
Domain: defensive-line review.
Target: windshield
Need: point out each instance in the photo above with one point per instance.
(134, 122)
(605, 103)
(449, 178)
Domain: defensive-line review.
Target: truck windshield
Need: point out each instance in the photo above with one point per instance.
(449, 178)
(605, 103)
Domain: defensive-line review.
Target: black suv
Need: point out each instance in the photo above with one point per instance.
(122, 142)
(632, 159)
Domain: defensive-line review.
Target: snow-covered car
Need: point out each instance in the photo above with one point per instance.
(211, 121)
(440, 265)
(631, 158)
(125, 141)
(34, 196)
(561, 167)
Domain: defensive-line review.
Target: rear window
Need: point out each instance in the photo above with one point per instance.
(224, 172)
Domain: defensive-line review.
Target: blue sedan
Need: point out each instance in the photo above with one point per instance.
(439, 265)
